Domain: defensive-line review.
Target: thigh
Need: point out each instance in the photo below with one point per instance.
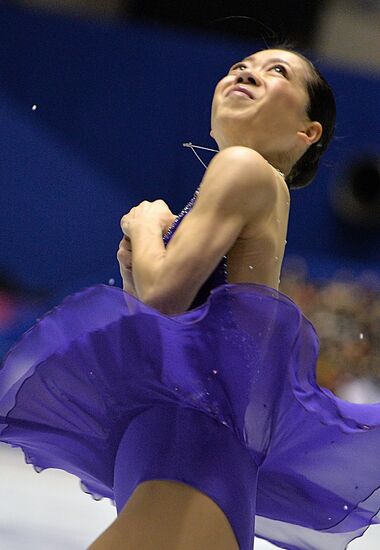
(168, 515)
(179, 474)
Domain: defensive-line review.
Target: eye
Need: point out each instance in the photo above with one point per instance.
(238, 65)
(283, 69)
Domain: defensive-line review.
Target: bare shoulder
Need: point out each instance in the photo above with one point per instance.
(240, 157)
(241, 179)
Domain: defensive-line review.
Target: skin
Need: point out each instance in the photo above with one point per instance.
(274, 124)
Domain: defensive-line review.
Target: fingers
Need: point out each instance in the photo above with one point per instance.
(124, 225)
(124, 253)
(125, 243)
(124, 259)
(156, 211)
(124, 221)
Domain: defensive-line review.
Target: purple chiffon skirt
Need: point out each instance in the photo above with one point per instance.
(103, 377)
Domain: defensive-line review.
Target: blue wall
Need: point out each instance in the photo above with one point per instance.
(115, 102)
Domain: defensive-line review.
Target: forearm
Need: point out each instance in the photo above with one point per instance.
(148, 256)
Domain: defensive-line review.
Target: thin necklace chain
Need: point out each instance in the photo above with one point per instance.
(199, 147)
(189, 144)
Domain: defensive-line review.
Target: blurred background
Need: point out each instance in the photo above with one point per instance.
(97, 98)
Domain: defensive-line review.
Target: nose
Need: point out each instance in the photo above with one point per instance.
(247, 76)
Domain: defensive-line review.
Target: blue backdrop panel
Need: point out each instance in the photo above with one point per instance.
(115, 102)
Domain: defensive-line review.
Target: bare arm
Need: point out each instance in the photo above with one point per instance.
(238, 187)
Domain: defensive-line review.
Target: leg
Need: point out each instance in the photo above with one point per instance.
(168, 515)
(181, 482)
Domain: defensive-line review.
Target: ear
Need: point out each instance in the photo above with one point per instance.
(312, 133)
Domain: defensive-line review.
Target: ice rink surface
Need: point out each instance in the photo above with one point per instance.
(48, 511)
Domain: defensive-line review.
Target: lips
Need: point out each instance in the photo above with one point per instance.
(241, 89)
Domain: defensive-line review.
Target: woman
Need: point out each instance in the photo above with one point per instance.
(190, 398)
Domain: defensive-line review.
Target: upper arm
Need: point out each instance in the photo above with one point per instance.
(238, 188)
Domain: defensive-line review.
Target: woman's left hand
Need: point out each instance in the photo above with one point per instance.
(156, 212)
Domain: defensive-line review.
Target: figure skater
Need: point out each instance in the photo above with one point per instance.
(189, 398)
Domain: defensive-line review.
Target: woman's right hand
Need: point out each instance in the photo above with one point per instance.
(124, 257)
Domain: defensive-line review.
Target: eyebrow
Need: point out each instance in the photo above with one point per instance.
(272, 60)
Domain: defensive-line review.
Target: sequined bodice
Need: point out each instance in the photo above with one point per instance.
(217, 277)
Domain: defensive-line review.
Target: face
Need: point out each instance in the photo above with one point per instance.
(274, 121)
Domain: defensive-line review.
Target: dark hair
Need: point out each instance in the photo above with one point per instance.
(322, 108)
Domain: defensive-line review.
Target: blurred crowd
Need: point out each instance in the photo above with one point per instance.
(19, 309)
(345, 311)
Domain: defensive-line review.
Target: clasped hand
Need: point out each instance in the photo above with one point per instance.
(146, 212)
(156, 212)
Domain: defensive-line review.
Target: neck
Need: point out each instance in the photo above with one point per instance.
(281, 162)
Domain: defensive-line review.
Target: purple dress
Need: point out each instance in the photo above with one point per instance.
(222, 397)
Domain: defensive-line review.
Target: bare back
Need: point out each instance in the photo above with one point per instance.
(258, 252)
